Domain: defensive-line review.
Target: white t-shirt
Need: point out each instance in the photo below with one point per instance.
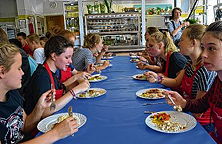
(39, 55)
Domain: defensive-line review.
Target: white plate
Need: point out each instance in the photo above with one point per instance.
(134, 57)
(97, 89)
(107, 58)
(180, 117)
(138, 93)
(135, 77)
(47, 123)
(98, 80)
(102, 61)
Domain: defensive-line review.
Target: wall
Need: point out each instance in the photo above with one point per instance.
(47, 10)
(8, 8)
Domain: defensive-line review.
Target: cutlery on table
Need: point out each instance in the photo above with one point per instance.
(154, 103)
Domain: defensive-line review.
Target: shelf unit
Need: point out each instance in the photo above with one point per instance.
(119, 30)
(71, 13)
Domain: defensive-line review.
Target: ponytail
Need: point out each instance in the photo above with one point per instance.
(169, 44)
(165, 37)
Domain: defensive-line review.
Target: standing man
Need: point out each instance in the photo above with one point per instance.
(175, 26)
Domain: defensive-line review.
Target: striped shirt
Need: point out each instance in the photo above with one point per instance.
(202, 80)
(82, 57)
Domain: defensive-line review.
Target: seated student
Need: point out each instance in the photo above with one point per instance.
(25, 65)
(212, 59)
(145, 56)
(70, 73)
(35, 45)
(14, 121)
(148, 61)
(43, 40)
(194, 80)
(58, 53)
(161, 45)
(84, 59)
(21, 36)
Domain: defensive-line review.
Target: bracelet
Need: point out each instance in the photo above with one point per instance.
(159, 79)
(73, 94)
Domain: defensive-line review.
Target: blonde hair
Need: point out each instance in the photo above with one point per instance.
(195, 31)
(3, 36)
(151, 30)
(34, 38)
(7, 54)
(67, 34)
(166, 39)
(91, 39)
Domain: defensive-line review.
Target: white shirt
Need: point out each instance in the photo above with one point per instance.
(39, 55)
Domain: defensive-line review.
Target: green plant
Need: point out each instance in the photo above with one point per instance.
(108, 5)
(193, 21)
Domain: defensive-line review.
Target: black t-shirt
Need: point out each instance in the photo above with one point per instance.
(11, 118)
(26, 69)
(177, 63)
(38, 84)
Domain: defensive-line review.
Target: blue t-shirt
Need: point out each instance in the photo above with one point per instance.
(172, 25)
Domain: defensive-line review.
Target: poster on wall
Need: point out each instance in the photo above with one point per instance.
(22, 24)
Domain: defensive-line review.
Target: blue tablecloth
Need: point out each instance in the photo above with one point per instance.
(118, 116)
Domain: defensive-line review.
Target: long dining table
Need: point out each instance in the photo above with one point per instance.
(118, 116)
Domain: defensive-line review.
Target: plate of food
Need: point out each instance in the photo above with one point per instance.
(151, 93)
(107, 57)
(49, 122)
(102, 61)
(92, 93)
(134, 60)
(171, 122)
(134, 56)
(97, 78)
(139, 77)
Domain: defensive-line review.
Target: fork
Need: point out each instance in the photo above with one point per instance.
(70, 114)
(53, 105)
(154, 103)
(176, 107)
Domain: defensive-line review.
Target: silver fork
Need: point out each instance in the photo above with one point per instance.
(53, 105)
(70, 114)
